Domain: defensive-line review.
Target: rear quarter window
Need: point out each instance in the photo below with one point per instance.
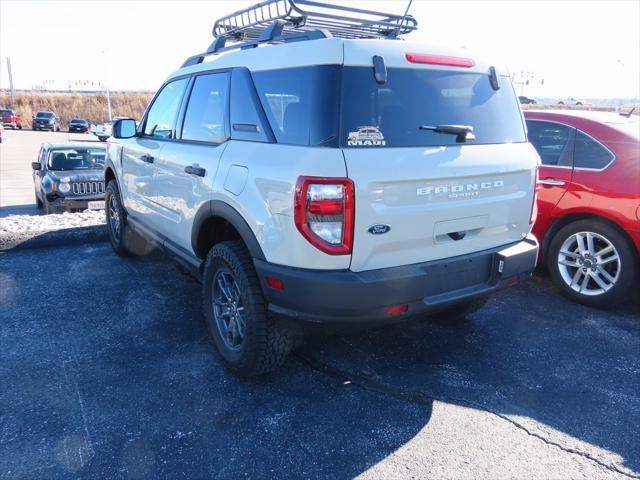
(589, 153)
(301, 104)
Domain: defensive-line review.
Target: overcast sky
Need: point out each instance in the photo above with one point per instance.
(580, 48)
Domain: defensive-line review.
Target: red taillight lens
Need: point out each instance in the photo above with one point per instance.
(398, 310)
(324, 213)
(439, 60)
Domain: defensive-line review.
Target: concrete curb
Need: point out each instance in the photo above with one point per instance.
(56, 238)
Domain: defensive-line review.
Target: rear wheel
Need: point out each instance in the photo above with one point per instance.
(592, 263)
(123, 239)
(248, 340)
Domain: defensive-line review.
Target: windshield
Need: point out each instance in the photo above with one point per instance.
(391, 114)
(76, 159)
(44, 115)
(77, 120)
(5, 112)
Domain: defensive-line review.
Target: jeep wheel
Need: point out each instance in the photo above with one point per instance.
(48, 208)
(592, 263)
(248, 341)
(123, 239)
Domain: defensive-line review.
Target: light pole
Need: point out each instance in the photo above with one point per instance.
(106, 84)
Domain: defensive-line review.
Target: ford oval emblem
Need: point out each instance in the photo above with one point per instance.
(378, 229)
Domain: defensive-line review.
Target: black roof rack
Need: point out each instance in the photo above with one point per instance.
(297, 20)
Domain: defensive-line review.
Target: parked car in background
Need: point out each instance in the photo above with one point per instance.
(78, 125)
(10, 118)
(103, 131)
(1, 133)
(46, 120)
(69, 177)
(526, 100)
(571, 101)
(588, 220)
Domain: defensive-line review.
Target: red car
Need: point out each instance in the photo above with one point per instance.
(10, 118)
(588, 220)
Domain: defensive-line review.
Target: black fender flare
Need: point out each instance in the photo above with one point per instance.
(218, 208)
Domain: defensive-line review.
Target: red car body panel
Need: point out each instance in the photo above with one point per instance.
(612, 193)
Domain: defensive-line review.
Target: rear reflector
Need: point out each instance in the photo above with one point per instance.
(275, 283)
(397, 310)
(439, 60)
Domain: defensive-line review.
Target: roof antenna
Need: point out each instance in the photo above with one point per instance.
(394, 33)
(406, 12)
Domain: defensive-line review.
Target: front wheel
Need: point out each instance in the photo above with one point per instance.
(592, 263)
(124, 241)
(248, 341)
(103, 139)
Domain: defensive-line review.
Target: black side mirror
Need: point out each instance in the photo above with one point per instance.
(36, 165)
(124, 128)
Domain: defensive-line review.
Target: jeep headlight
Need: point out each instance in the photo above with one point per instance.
(64, 187)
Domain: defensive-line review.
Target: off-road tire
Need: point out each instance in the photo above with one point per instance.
(126, 242)
(268, 341)
(627, 278)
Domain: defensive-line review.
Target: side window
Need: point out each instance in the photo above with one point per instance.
(552, 141)
(162, 115)
(590, 153)
(301, 104)
(204, 119)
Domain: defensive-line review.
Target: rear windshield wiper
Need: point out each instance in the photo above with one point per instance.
(462, 132)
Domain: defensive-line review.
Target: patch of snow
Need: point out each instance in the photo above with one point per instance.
(26, 224)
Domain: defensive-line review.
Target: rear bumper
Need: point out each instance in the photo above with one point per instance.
(346, 296)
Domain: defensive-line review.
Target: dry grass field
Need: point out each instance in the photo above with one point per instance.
(92, 107)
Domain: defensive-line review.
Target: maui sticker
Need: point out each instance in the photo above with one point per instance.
(366, 137)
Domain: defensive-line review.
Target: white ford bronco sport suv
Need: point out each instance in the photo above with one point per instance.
(321, 169)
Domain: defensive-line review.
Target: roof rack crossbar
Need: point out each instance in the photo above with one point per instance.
(296, 20)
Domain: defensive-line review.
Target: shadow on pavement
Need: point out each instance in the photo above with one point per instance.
(29, 209)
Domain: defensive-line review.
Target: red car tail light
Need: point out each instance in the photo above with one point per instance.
(439, 60)
(324, 213)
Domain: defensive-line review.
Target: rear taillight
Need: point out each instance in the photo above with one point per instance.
(324, 213)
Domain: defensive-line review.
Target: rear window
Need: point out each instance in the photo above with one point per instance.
(390, 115)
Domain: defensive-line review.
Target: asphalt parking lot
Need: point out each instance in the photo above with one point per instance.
(107, 371)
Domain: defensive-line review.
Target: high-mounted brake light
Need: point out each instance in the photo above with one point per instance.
(324, 213)
(439, 60)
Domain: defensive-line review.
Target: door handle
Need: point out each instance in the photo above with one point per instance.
(552, 182)
(191, 170)
(147, 158)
